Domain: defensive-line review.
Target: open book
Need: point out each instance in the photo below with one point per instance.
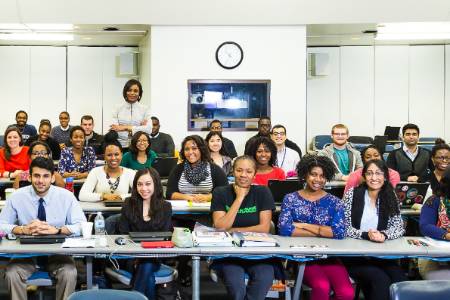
(254, 239)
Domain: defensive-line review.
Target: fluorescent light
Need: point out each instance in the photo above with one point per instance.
(36, 37)
(34, 26)
(413, 31)
(12, 26)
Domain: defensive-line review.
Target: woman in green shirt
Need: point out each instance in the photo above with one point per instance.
(140, 155)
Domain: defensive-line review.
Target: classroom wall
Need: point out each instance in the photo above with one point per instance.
(369, 87)
(275, 53)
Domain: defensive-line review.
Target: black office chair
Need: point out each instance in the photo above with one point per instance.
(420, 290)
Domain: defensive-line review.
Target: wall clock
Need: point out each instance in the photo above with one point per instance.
(229, 55)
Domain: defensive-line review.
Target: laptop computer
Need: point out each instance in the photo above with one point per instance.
(281, 188)
(392, 133)
(164, 165)
(409, 193)
(113, 203)
(42, 239)
(150, 236)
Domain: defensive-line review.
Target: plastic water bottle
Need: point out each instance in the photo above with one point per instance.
(69, 184)
(99, 224)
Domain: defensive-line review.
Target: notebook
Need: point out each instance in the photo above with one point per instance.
(281, 188)
(409, 193)
(164, 165)
(42, 239)
(150, 236)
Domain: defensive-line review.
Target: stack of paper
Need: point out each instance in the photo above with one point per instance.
(78, 243)
(212, 239)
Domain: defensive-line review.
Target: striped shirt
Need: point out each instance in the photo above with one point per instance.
(205, 187)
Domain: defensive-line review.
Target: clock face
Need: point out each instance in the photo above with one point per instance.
(229, 55)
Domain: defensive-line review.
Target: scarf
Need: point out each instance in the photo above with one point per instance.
(444, 213)
(196, 173)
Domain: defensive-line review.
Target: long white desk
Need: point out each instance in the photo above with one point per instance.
(290, 248)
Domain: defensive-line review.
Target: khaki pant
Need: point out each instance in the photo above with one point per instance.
(434, 270)
(62, 268)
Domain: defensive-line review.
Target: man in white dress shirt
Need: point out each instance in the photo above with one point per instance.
(287, 159)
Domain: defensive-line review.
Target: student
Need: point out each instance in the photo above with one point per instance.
(196, 177)
(216, 126)
(37, 149)
(27, 130)
(312, 212)
(77, 160)
(342, 154)
(243, 207)
(44, 136)
(146, 211)
(61, 133)
(411, 161)
(287, 159)
(140, 154)
(220, 157)
(264, 126)
(435, 223)
(93, 139)
(264, 152)
(440, 156)
(131, 116)
(108, 182)
(13, 156)
(372, 213)
(162, 143)
(356, 178)
(41, 209)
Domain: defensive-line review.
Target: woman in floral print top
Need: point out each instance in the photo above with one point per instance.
(76, 161)
(312, 212)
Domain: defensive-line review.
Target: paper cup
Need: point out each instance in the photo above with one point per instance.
(86, 229)
(8, 192)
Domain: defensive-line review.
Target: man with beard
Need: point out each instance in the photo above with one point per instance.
(27, 130)
(162, 143)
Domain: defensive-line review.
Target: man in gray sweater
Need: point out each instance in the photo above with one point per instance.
(344, 156)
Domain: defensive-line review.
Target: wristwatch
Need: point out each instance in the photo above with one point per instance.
(59, 230)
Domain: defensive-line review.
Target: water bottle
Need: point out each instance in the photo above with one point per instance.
(99, 224)
(69, 184)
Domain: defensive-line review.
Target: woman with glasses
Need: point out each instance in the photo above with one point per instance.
(108, 182)
(140, 155)
(372, 212)
(37, 149)
(440, 156)
(369, 153)
(44, 136)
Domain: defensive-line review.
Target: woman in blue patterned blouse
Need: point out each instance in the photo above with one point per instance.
(312, 212)
(76, 161)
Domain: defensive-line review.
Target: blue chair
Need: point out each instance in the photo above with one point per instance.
(40, 279)
(419, 290)
(165, 274)
(107, 294)
(427, 139)
(429, 147)
(321, 141)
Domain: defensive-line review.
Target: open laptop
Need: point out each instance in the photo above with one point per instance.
(281, 188)
(42, 239)
(409, 193)
(392, 133)
(150, 236)
(164, 165)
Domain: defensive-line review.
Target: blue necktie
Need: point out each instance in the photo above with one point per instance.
(41, 211)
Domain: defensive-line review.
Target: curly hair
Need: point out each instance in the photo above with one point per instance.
(134, 140)
(156, 200)
(5, 138)
(388, 199)
(202, 147)
(439, 144)
(363, 152)
(222, 150)
(267, 143)
(309, 161)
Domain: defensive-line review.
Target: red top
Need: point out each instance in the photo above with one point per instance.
(263, 179)
(19, 161)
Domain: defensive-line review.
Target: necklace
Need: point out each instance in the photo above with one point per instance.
(284, 156)
(112, 185)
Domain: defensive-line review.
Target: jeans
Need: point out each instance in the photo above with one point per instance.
(144, 278)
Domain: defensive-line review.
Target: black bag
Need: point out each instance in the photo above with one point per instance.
(167, 291)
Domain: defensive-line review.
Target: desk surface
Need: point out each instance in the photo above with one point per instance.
(308, 247)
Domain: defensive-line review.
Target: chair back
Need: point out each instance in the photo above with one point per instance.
(321, 141)
(419, 290)
(106, 294)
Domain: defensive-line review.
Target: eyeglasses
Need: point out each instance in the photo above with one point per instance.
(278, 133)
(216, 127)
(447, 158)
(39, 153)
(142, 141)
(373, 174)
(339, 133)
